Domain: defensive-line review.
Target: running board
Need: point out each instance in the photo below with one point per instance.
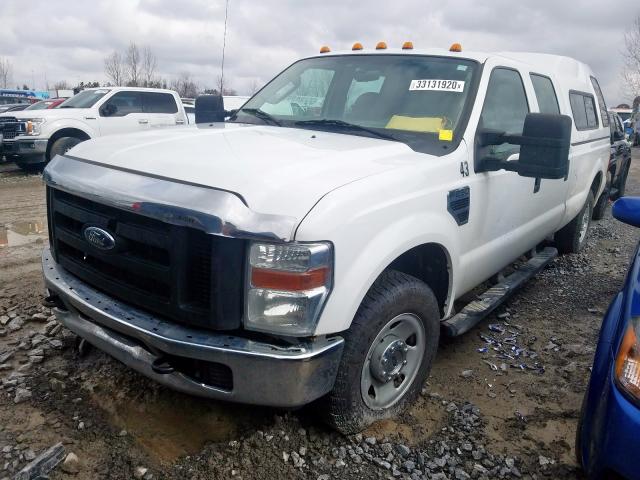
(488, 301)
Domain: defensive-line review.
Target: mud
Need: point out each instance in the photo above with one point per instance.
(116, 420)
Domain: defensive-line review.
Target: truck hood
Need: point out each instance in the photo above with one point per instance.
(50, 113)
(275, 170)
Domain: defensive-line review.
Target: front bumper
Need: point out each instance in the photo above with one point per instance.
(26, 150)
(262, 373)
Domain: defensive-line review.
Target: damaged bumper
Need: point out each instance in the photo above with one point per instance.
(195, 361)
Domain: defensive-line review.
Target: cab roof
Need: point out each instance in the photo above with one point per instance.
(541, 62)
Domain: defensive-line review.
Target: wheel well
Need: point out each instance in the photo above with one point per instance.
(595, 185)
(66, 132)
(430, 263)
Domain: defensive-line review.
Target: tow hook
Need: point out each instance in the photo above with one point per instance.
(83, 347)
(53, 301)
(162, 366)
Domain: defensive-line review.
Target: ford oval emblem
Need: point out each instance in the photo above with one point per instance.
(99, 238)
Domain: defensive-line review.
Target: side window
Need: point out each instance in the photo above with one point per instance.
(121, 104)
(601, 102)
(583, 108)
(545, 93)
(505, 107)
(154, 102)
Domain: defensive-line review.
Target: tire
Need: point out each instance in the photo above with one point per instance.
(622, 182)
(30, 167)
(573, 236)
(600, 207)
(578, 445)
(62, 146)
(395, 303)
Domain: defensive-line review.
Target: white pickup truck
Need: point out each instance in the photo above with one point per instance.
(32, 138)
(312, 247)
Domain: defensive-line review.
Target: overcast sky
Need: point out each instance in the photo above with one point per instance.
(68, 40)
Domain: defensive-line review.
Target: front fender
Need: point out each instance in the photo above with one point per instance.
(369, 234)
(51, 127)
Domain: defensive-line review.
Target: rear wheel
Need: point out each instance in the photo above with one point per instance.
(573, 236)
(388, 353)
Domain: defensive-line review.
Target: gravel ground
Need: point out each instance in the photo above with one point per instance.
(482, 415)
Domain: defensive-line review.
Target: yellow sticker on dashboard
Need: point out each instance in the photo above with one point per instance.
(445, 135)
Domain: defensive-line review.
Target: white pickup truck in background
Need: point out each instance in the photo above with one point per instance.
(32, 138)
(314, 245)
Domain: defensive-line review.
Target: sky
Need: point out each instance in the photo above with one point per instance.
(53, 40)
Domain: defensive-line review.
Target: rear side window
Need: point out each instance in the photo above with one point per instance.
(601, 103)
(154, 102)
(583, 107)
(545, 93)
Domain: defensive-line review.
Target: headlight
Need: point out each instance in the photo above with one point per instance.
(628, 359)
(33, 126)
(287, 286)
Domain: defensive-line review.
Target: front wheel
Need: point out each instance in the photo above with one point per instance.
(600, 207)
(573, 236)
(63, 145)
(388, 353)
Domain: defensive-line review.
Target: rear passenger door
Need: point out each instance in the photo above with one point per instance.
(161, 109)
(122, 113)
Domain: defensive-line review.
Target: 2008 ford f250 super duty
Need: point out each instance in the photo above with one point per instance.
(312, 247)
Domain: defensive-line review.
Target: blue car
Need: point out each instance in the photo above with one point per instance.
(608, 435)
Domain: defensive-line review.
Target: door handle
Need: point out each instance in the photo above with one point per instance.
(89, 118)
(179, 122)
(143, 121)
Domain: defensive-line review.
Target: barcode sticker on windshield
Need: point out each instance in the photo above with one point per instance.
(438, 85)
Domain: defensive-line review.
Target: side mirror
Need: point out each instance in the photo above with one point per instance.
(627, 210)
(617, 135)
(108, 109)
(544, 147)
(209, 109)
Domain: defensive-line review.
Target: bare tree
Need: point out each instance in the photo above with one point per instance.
(114, 68)
(254, 86)
(61, 85)
(5, 72)
(224, 89)
(185, 86)
(149, 64)
(631, 56)
(134, 65)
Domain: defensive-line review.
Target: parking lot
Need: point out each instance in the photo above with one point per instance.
(477, 417)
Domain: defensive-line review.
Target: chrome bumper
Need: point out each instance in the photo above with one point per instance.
(263, 374)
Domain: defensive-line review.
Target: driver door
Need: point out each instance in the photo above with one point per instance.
(518, 212)
(123, 113)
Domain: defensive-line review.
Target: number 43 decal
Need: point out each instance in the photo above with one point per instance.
(464, 169)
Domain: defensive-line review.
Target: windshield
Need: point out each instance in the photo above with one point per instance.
(405, 97)
(84, 99)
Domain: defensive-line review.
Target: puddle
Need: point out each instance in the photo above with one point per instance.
(21, 233)
(171, 425)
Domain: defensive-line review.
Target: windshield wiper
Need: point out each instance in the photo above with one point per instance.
(262, 115)
(344, 125)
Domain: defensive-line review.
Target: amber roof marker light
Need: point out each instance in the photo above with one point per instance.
(324, 49)
(381, 46)
(407, 46)
(455, 47)
(357, 46)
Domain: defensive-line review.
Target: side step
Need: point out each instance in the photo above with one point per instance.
(488, 301)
